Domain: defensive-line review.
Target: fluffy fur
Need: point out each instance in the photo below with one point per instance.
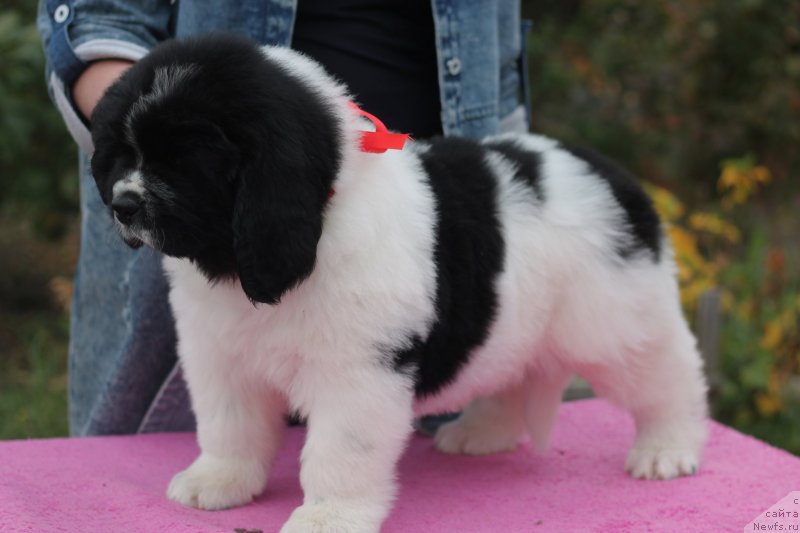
(449, 275)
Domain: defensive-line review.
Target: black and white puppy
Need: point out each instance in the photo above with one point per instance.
(449, 275)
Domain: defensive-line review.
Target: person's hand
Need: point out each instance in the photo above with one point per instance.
(98, 76)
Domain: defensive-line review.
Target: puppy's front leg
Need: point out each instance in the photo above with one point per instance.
(239, 429)
(358, 427)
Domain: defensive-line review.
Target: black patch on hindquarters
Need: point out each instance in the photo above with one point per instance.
(643, 222)
(469, 255)
(528, 164)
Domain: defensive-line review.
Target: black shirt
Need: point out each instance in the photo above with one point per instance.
(384, 50)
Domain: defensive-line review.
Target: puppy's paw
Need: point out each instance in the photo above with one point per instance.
(330, 517)
(664, 463)
(475, 437)
(666, 452)
(216, 483)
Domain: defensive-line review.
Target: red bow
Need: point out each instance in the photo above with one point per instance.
(380, 140)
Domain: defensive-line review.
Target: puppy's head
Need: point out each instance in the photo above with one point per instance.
(207, 149)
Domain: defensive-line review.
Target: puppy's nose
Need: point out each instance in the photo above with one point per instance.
(126, 205)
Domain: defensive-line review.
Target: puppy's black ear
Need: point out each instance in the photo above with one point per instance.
(277, 220)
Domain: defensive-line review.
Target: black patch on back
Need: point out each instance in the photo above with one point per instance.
(642, 218)
(469, 255)
(528, 163)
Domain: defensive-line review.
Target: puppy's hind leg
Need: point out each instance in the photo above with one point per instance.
(664, 389)
(543, 400)
(496, 423)
(487, 425)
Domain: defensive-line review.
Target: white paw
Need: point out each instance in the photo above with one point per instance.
(667, 451)
(214, 483)
(663, 463)
(335, 518)
(475, 437)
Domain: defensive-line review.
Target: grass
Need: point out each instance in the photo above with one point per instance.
(35, 283)
(34, 380)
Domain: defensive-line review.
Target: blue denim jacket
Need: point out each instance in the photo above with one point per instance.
(122, 369)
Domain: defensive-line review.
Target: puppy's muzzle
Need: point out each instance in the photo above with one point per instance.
(127, 206)
(128, 211)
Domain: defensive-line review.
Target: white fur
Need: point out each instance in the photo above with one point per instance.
(132, 183)
(567, 304)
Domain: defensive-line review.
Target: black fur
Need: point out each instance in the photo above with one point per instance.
(528, 163)
(642, 218)
(249, 179)
(245, 157)
(469, 256)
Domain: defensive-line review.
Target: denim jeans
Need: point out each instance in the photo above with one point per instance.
(123, 371)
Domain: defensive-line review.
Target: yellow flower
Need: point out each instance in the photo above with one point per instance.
(768, 404)
(667, 204)
(773, 334)
(731, 177)
(684, 243)
(761, 174)
(715, 225)
(739, 179)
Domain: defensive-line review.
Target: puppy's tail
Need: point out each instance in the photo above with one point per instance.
(541, 407)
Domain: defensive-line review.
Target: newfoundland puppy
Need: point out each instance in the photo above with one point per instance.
(319, 264)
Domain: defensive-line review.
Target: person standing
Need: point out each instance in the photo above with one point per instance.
(425, 67)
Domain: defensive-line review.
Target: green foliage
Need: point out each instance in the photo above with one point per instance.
(760, 389)
(38, 170)
(702, 98)
(673, 87)
(34, 398)
(38, 190)
(756, 387)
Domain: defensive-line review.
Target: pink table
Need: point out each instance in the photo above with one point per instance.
(118, 484)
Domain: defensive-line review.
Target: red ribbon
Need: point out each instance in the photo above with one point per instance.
(380, 140)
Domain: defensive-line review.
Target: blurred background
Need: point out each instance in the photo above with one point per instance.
(700, 98)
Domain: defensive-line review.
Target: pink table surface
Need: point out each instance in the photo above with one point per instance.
(117, 484)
